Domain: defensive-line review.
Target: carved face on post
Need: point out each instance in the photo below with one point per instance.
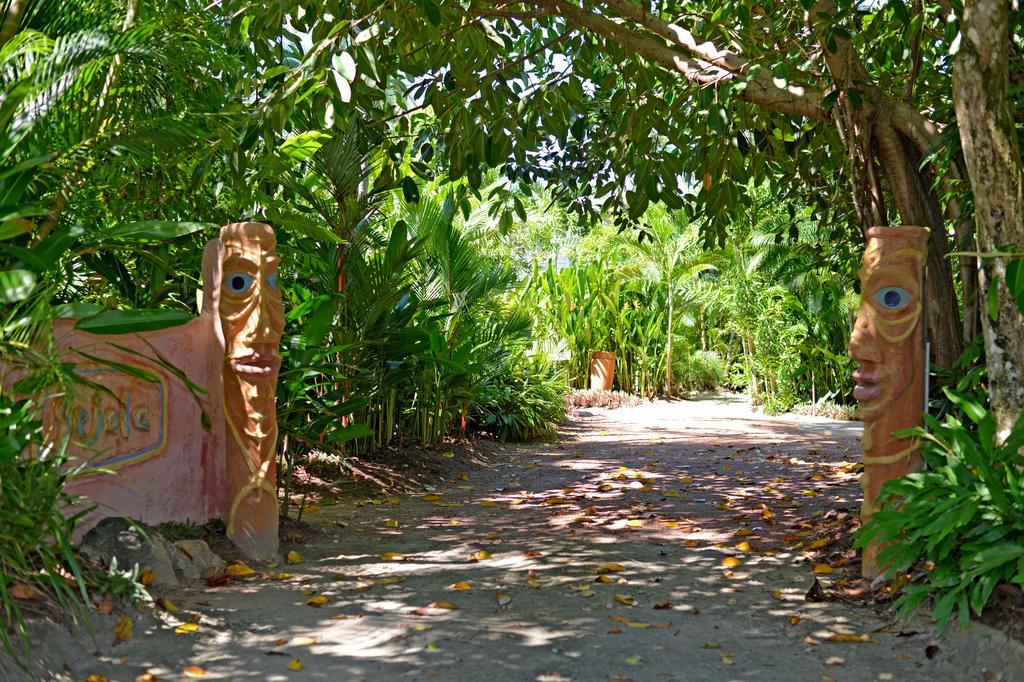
(251, 312)
(884, 340)
(887, 342)
(252, 322)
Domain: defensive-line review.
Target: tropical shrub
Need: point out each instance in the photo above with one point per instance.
(589, 397)
(524, 402)
(701, 370)
(828, 409)
(36, 558)
(958, 526)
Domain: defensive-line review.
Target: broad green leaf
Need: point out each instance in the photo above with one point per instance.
(67, 311)
(156, 230)
(302, 146)
(345, 65)
(132, 370)
(343, 435)
(409, 190)
(14, 227)
(1015, 282)
(131, 321)
(16, 285)
(344, 89)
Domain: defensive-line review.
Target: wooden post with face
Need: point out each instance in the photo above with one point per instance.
(888, 344)
(252, 322)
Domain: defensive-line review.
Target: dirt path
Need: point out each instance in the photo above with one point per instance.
(665, 491)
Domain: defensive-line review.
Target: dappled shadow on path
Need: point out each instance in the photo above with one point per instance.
(665, 544)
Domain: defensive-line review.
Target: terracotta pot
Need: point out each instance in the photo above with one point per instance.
(602, 370)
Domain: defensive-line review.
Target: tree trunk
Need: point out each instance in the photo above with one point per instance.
(703, 332)
(992, 155)
(869, 134)
(668, 346)
(917, 205)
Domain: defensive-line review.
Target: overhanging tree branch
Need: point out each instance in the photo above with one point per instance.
(702, 63)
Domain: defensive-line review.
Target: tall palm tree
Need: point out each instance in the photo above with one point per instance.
(668, 254)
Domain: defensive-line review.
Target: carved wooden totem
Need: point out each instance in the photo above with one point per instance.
(252, 321)
(888, 343)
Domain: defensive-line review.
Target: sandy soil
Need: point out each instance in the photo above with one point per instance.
(667, 541)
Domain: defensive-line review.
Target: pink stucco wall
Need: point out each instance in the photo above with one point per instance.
(163, 465)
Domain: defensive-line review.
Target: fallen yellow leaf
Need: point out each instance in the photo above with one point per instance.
(534, 584)
(238, 569)
(605, 579)
(303, 641)
(691, 543)
(626, 620)
(479, 555)
(293, 557)
(793, 620)
(147, 677)
(317, 601)
(390, 523)
(849, 638)
(726, 659)
(609, 567)
(822, 568)
(193, 671)
(634, 523)
(280, 576)
(819, 543)
(743, 533)
(295, 664)
(441, 605)
(744, 546)
(186, 629)
(167, 605)
(147, 577)
(96, 678)
(731, 562)
(431, 498)
(391, 556)
(123, 628)
(390, 580)
(624, 599)
(503, 599)
(462, 586)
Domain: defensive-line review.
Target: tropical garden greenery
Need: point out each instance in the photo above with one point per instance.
(473, 196)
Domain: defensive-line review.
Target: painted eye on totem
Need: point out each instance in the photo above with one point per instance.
(272, 281)
(893, 298)
(239, 282)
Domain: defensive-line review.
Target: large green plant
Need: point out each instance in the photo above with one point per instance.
(958, 526)
(526, 401)
(36, 557)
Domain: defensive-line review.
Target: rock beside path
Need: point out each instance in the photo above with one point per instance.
(125, 544)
